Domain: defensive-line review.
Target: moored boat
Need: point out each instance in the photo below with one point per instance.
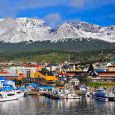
(8, 96)
(12, 95)
(20, 93)
(64, 94)
(70, 94)
(104, 95)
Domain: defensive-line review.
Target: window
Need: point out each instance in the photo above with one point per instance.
(10, 94)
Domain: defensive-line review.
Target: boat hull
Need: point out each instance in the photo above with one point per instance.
(102, 99)
(21, 94)
(11, 97)
(8, 98)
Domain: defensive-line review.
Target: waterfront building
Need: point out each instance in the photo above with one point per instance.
(111, 68)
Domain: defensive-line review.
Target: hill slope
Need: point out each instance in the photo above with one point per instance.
(67, 45)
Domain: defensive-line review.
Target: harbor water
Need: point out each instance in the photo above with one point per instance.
(39, 105)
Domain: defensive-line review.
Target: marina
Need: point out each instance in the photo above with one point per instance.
(40, 105)
(43, 81)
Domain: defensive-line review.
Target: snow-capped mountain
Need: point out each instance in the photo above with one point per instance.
(84, 30)
(23, 29)
(26, 29)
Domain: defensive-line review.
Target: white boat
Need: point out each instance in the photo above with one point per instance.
(88, 94)
(65, 94)
(20, 93)
(104, 95)
(70, 94)
(8, 96)
(57, 94)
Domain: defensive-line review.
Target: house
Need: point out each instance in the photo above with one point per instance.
(74, 82)
(108, 76)
(111, 68)
(52, 67)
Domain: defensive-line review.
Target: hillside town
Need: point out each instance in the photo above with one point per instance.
(59, 75)
(98, 72)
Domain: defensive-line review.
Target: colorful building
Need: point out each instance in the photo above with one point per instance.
(111, 68)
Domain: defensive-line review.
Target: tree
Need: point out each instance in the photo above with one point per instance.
(85, 80)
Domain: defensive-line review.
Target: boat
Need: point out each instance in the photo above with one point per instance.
(104, 95)
(8, 96)
(64, 94)
(70, 94)
(20, 93)
(12, 95)
(57, 94)
(88, 93)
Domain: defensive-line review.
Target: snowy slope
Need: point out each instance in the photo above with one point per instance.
(23, 29)
(84, 30)
(26, 29)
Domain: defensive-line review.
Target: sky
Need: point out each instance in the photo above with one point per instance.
(55, 12)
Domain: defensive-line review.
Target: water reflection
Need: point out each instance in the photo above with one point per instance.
(105, 107)
(33, 105)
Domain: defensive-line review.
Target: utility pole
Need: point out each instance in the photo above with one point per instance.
(69, 58)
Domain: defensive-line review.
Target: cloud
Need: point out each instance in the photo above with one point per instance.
(10, 8)
(39, 3)
(87, 4)
(77, 3)
(53, 19)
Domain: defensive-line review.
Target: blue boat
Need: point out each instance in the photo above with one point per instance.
(104, 95)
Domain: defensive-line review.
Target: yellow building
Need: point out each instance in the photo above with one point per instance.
(47, 77)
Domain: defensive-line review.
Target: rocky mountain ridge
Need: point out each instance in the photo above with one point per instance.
(30, 29)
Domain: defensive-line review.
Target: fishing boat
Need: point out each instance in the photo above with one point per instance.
(104, 95)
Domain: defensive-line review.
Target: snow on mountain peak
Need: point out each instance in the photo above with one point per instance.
(30, 22)
(23, 29)
(26, 29)
(86, 30)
